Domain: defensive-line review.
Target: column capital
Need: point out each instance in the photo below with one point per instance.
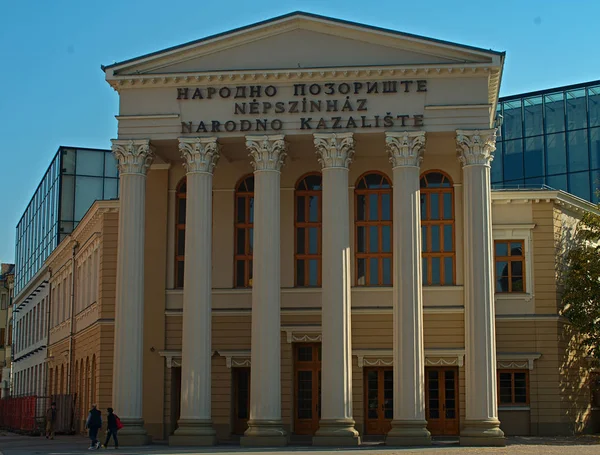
(201, 154)
(335, 150)
(476, 146)
(268, 152)
(134, 156)
(405, 148)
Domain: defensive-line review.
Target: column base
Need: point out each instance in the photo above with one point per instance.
(194, 432)
(408, 433)
(264, 433)
(482, 433)
(133, 433)
(336, 432)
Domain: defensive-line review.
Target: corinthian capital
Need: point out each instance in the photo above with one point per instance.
(476, 146)
(268, 152)
(134, 156)
(405, 148)
(200, 153)
(334, 149)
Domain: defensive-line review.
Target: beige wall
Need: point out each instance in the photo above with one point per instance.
(85, 353)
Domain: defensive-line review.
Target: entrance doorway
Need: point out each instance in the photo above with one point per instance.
(379, 400)
(441, 400)
(241, 399)
(307, 388)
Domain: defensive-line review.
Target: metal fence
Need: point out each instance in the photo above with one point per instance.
(27, 414)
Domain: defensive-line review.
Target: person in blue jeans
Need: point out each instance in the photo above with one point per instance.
(111, 428)
(94, 423)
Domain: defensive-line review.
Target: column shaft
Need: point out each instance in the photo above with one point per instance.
(336, 426)
(134, 158)
(195, 424)
(409, 426)
(264, 425)
(481, 424)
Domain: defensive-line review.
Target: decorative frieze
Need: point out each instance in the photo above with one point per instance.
(476, 146)
(334, 150)
(405, 148)
(268, 153)
(200, 154)
(302, 334)
(134, 156)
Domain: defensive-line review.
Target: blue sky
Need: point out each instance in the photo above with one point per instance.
(53, 91)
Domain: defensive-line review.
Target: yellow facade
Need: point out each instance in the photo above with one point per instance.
(130, 310)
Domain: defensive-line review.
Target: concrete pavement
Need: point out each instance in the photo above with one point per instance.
(11, 444)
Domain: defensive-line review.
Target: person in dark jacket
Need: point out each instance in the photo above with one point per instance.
(94, 423)
(111, 428)
(50, 421)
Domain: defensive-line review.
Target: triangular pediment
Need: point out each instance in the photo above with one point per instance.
(302, 40)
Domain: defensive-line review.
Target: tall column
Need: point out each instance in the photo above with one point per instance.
(481, 426)
(409, 426)
(336, 427)
(195, 423)
(134, 158)
(265, 427)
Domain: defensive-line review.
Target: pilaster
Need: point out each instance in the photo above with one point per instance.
(409, 426)
(481, 426)
(336, 427)
(195, 424)
(265, 427)
(134, 158)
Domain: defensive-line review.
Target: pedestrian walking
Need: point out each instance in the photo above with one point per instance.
(113, 426)
(93, 424)
(50, 420)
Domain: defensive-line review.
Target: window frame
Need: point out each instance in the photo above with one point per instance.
(366, 223)
(179, 230)
(306, 225)
(247, 226)
(509, 260)
(512, 372)
(428, 222)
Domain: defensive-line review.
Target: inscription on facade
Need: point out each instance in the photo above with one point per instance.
(318, 106)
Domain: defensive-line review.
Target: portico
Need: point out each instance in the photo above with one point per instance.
(316, 198)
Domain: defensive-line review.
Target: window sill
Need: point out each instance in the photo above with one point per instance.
(514, 408)
(513, 296)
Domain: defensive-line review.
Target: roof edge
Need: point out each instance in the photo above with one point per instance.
(306, 15)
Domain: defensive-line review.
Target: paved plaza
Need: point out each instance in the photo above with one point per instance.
(11, 444)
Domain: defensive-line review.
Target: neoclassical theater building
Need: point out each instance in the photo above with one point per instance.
(309, 246)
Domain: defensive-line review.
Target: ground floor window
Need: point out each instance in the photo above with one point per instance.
(513, 387)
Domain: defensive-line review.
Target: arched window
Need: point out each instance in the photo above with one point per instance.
(308, 230)
(437, 229)
(244, 229)
(373, 230)
(180, 232)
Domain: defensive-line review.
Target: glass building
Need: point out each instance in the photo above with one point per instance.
(552, 138)
(75, 179)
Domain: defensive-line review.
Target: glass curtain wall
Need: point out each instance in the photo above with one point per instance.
(550, 138)
(74, 180)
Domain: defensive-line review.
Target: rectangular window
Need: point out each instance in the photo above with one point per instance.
(3, 303)
(513, 387)
(510, 265)
(2, 335)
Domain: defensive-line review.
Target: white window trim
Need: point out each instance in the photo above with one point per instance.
(517, 232)
(516, 360)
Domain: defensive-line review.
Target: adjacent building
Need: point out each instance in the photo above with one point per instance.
(550, 138)
(7, 275)
(75, 179)
(310, 249)
(80, 345)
